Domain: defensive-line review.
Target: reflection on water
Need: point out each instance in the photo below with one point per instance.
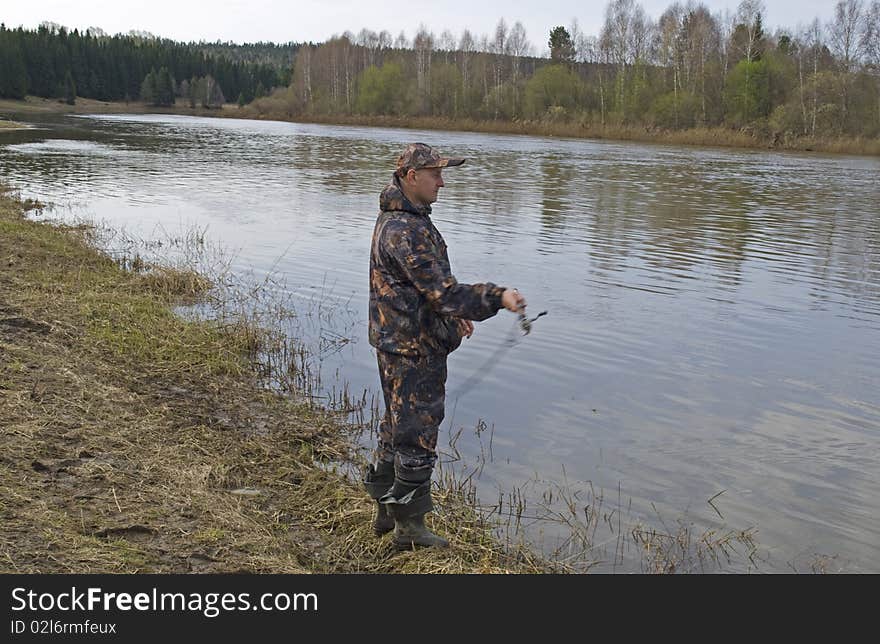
(714, 315)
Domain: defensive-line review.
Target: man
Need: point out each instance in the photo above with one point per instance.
(418, 315)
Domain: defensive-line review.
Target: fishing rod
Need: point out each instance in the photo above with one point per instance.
(525, 326)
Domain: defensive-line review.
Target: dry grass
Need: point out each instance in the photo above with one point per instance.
(93, 106)
(11, 125)
(275, 109)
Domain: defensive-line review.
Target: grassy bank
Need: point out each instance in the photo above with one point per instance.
(712, 137)
(91, 106)
(11, 125)
(273, 109)
(136, 441)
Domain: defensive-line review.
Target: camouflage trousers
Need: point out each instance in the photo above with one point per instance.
(414, 388)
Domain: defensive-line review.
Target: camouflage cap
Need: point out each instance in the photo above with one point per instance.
(420, 155)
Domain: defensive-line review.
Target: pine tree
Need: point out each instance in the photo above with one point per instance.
(759, 36)
(195, 88)
(561, 45)
(148, 88)
(13, 73)
(69, 88)
(164, 88)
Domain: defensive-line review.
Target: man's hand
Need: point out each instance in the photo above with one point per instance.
(466, 327)
(512, 300)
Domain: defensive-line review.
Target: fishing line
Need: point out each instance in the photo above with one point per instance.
(525, 325)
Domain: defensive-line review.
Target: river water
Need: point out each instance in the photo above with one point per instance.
(713, 315)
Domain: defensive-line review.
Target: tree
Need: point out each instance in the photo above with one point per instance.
(748, 34)
(518, 47)
(553, 90)
(382, 90)
(748, 40)
(69, 88)
(561, 46)
(870, 37)
(148, 88)
(446, 44)
(701, 34)
(466, 52)
(815, 43)
(844, 33)
(870, 43)
(164, 88)
(843, 36)
(499, 47)
(446, 92)
(641, 35)
(241, 100)
(158, 88)
(676, 110)
(423, 44)
(622, 19)
(213, 95)
(195, 90)
(748, 91)
(301, 81)
(670, 44)
(13, 72)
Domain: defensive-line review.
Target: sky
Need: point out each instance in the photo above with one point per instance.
(317, 20)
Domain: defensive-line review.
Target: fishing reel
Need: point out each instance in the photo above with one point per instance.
(525, 323)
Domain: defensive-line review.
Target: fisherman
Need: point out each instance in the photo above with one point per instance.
(419, 313)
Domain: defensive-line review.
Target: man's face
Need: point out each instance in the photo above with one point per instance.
(425, 184)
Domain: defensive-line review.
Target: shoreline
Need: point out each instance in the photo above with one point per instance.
(715, 137)
(136, 441)
(698, 137)
(8, 126)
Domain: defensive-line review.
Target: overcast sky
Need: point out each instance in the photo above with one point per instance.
(317, 20)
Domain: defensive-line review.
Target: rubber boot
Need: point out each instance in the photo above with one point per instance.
(408, 502)
(410, 532)
(377, 481)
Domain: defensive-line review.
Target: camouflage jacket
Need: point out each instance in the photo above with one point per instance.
(415, 301)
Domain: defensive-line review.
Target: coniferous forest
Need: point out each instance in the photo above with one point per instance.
(53, 62)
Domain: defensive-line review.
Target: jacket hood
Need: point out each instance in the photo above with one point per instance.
(393, 198)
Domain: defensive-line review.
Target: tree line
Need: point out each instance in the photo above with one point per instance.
(686, 68)
(52, 62)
